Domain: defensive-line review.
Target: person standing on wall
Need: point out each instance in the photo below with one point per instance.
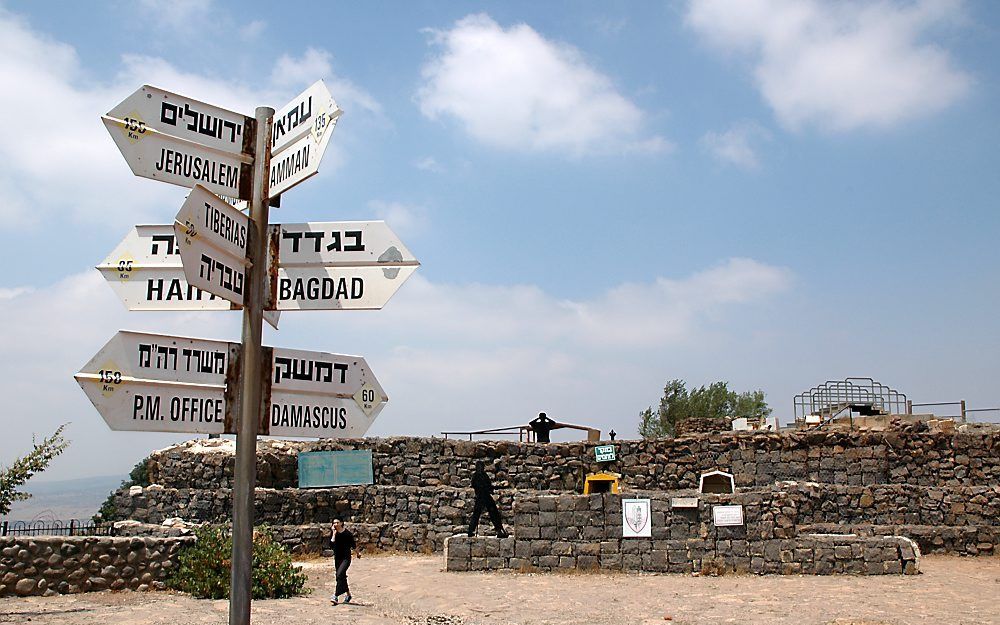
(344, 547)
(484, 499)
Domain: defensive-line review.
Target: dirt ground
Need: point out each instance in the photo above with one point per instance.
(411, 590)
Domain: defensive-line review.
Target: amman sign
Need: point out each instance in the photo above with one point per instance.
(300, 135)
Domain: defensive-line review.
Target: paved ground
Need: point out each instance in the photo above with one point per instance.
(411, 590)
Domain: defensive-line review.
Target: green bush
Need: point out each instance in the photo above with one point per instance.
(138, 476)
(204, 568)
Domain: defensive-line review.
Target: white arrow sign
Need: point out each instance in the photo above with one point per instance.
(153, 154)
(146, 272)
(316, 394)
(299, 137)
(350, 265)
(212, 237)
(187, 119)
(335, 288)
(341, 244)
(156, 383)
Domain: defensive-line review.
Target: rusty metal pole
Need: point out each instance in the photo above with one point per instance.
(245, 475)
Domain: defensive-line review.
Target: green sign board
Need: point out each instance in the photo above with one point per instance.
(605, 453)
(318, 469)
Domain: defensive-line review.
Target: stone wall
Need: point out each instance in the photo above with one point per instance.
(49, 565)
(809, 555)
(585, 532)
(445, 509)
(755, 459)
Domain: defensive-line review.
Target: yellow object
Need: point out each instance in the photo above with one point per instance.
(601, 483)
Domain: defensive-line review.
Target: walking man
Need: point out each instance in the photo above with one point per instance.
(484, 499)
(343, 548)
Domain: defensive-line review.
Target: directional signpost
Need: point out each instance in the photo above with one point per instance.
(215, 257)
(302, 130)
(212, 237)
(146, 272)
(355, 265)
(321, 395)
(157, 383)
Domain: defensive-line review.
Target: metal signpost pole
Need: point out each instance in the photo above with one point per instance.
(250, 387)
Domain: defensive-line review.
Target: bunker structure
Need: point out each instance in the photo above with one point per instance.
(815, 501)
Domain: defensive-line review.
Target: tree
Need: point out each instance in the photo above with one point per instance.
(23, 468)
(704, 402)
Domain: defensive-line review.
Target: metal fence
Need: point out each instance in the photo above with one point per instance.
(957, 410)
(72, 527)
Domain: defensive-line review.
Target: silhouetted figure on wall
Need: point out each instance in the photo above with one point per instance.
(484, 499)
(541, 426)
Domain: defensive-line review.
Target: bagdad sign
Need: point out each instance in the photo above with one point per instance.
(354, 265)
(146, 272)
(159, 383)
(300, 135)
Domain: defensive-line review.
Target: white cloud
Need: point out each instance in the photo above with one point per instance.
(839, 65)
(11, 293)
(176, 13)
(513, 89)
(735, 145)
(449, 356)
(252, 30)
(315, 64)
(47, 334)
(429, 163)
(404, 219)
(53, 85)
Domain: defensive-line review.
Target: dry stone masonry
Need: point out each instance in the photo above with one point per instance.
(878, 492)
(49, 565)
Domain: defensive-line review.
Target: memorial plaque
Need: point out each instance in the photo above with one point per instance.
(723, 516)
(318, 469)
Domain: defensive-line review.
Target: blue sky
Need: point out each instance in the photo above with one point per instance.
(603, 196)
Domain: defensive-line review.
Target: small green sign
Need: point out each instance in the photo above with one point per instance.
(605, 453)
(318, 469)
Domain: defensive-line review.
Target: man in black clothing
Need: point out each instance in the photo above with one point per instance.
(343, 547)
(484, 499)
(541, 426)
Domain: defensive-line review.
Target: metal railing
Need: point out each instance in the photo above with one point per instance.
(834, 397)
(958, 410)
(72, 527)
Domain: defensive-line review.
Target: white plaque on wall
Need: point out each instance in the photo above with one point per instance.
(636, 518)
(727, 515)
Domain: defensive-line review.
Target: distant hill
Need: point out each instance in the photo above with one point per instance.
(65, 499)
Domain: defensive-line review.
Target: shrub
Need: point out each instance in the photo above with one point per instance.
(204, 568)
(138, 476)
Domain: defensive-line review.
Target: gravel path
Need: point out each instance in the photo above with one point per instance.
(413, 590)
